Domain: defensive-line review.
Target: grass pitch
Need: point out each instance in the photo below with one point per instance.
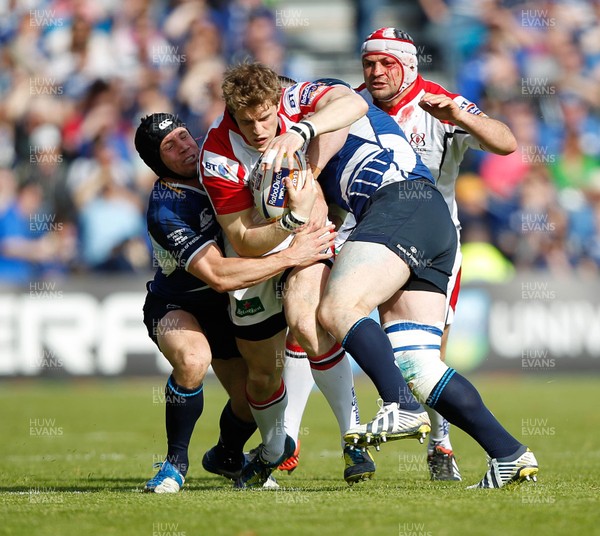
(75, 454)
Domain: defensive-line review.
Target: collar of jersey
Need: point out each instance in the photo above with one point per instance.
(178, 186)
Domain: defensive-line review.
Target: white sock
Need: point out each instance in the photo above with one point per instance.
(299, 383)
(269, 417)
(333, 375)
(440, 431)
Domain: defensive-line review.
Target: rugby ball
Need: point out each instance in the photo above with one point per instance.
(268, 189)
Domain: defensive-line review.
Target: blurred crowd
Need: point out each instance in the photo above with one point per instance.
(77, 75)
(535, 66)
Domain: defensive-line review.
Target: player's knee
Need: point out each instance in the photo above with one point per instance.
(417, 352)
(189, 369)
(305, 331)
(190, 379)
(263, 381)
(326, 316)
(422, 370)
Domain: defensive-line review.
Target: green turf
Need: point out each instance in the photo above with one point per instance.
(74, 456)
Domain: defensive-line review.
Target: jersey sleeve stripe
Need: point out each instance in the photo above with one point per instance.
(198, 251)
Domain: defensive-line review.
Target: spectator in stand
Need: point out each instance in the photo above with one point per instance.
(46, 165)
(578, 162)
(539, 226)
(201, 71)
(236, 14)
(111, 214)
(483, 262)
(33, 245)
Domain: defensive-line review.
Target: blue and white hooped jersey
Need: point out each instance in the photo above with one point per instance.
(376, 153)
(181, 222)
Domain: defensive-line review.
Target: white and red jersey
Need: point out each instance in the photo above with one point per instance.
(440, 144)
(225, 166)
(227, 159)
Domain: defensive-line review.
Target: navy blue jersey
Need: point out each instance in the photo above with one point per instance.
(181, 222)
(376, 153)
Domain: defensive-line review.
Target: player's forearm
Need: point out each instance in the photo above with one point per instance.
(324, 147)
(227, 274)
(493, 135)
(250, 239)
(257, 240)
(339, 112)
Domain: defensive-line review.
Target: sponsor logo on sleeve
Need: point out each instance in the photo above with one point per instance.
(309, 92)
(469, 107)
(291, 97)
(220, 166)
(178, 236)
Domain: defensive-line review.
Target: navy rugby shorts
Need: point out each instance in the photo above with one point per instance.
(213, 319)
(412, 219)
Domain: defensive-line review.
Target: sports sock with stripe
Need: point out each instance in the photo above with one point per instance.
(299, 383)
(269, 416)
(183, 408)
(333, 375)
(457, 400)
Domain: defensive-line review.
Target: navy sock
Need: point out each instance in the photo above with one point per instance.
(371, 349)
(234, 433)
(183, 409)
(456, 399)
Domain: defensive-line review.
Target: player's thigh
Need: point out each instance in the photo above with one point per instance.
(364, 275)
(422, 306)
(302, 293)
(182, 341)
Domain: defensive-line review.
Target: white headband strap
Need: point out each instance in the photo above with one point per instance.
(393, 46)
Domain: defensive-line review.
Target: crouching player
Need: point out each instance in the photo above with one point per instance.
(186, 313)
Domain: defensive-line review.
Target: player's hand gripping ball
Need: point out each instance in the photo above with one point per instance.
(268, 189)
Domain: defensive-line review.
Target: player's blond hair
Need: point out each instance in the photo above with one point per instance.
(249, 85)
